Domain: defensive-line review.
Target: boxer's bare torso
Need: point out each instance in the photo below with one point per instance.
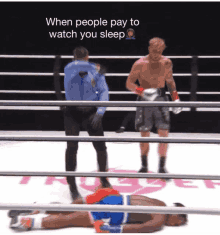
(151, 73)
(139, 200)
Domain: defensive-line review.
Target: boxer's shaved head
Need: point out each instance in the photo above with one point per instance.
(158, 43)
(156, 48)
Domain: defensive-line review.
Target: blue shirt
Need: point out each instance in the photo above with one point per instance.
(92, 86)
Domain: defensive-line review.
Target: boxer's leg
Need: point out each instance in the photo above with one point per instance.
(162, 150)
(162, 122)
(144, 123)
(144, 146)
(52, 221)
(64, 220)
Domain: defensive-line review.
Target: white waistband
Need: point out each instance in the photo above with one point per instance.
(125, 202)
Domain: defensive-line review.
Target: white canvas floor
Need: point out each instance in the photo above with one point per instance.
(50, 156)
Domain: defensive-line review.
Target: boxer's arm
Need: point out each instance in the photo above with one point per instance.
(132, 78)
(170, 81)
(153, 225)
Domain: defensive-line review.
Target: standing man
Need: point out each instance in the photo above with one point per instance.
(83, 81)
(153, 71)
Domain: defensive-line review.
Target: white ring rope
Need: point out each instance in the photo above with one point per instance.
(113, 208)
(62, 74)
(106, 74)
(63, 92)
(107, 109)
(111, 139)
(110, 92)
(100, 57)
(91, 57)
(109, 103)
(209, 56)
(208, 74)
(110, 175)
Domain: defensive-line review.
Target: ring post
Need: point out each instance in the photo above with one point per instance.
(194, 81)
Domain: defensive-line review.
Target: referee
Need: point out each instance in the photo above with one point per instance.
(83, 81)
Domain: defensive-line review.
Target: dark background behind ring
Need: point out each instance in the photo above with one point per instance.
(188, 28)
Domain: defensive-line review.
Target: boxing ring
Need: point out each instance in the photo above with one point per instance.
(41, 178)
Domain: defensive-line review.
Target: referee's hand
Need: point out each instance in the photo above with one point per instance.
(96, 121)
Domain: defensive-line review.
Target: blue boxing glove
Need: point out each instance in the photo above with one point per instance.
(96, 121)
(102, 228)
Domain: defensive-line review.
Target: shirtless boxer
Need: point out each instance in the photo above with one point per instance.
(103, 222)
(153, 71)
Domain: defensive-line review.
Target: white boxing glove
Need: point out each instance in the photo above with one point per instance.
(177, 110)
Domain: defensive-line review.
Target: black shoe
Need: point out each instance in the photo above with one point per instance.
(120, 130)
(74, 193)
(163, 171)
(143, 170)
(13, 213)
(105, 183)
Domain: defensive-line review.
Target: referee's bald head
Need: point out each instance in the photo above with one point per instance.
(80, 53)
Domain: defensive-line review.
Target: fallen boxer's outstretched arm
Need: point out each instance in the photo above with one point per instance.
(156, 224)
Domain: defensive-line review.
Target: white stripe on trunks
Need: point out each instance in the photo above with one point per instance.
(125, 202)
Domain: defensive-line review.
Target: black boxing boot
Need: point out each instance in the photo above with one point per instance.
(74, 191)
(162, 167)
(105, 183)
(102, 162)
(144, 168)
(120, 130)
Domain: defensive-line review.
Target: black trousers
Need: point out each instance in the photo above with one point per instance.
(129, 118)
(75, 118)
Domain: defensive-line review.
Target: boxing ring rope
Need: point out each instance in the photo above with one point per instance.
(91, 57)
(110, 92)
(110, 175)
(106, 74)
(101, 57)
(113, 208)
(62, 74)
(109, 103)
(111, 139)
